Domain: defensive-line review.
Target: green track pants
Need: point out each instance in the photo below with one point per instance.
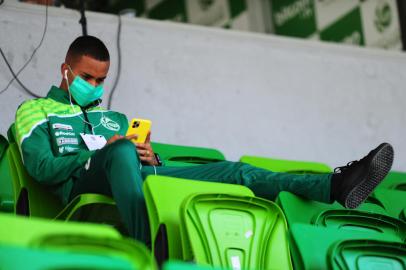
(115, 171)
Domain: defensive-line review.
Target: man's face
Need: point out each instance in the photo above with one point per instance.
(89, 69)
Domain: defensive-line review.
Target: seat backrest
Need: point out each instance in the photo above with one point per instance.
(73, 237)
(11, 133)
(181, 265)
(178, 155)
(236, 232)
(327, 248)
(164, 197)
(288, 166)
(299, 210)
(40, 259)
(394, 180)
(3, 145)
(7, 197)
(33, 198)
(393, 200)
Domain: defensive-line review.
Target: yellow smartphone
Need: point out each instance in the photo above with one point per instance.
(141, 127)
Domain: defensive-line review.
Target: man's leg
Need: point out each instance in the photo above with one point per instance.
(263, 183)
(115, 171)
(350, 185)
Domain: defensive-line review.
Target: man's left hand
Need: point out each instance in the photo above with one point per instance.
(145, 151)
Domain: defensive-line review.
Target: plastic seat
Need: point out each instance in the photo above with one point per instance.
(287, 166)
(179, 265)
(402, 215)
(177, 155)
(394, 201)
(34, 199)
(236, 232)
(73, 238)
(164, 197)
(299, 210)
(45, 259)
(394, 180)
(327, 248)
(7, 196)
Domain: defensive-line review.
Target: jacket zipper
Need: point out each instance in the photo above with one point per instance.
(89, 125)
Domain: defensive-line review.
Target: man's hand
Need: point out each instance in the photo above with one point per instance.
(145, 151)
(119, 137)
(114, 138)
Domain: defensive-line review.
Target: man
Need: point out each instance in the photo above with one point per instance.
(59, 137)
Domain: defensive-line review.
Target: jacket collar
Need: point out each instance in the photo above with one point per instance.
(59, 95)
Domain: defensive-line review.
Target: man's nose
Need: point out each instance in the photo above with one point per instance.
(92, 82)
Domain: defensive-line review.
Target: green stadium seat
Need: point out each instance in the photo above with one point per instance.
(299, 210)
(178, 155)
(44, 259)
(164, 197)
(287, 166)
(34, 199)
(7, 196)
(394, 201)
(3, 145)
(180, 265)
(236, 232)
(327, 248)
(394, 180)
(11, 134)
(402, 215)
(73, 238)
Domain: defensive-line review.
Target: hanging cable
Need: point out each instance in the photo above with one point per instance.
(15, 76)
(118, 64)
(83, 20)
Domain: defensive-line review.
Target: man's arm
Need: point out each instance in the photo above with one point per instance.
(34, 141)
(41, 163)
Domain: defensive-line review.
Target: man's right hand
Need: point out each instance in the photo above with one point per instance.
(119, 137)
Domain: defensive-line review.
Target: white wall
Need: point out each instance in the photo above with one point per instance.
(241, 93)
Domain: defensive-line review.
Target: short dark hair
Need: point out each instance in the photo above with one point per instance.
(89, 46)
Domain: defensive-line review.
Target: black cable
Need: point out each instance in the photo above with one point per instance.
(118, 63)
(15, 76)
(83, 20)
(402, 22)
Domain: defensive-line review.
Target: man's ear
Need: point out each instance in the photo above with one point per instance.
(64, 69)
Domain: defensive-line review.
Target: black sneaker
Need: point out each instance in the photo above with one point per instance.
(353, 183)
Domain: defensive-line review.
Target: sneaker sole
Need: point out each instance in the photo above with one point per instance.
(378, 169)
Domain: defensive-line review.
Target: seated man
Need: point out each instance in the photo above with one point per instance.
(57, 154)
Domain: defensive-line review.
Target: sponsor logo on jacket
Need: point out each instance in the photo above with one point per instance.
(67, 149)
(64, 133)
(63, 140)
(109, 124)
(62, 126)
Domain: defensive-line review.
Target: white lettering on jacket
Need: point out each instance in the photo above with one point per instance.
(64, 133)
(62, 126)
(62, 141)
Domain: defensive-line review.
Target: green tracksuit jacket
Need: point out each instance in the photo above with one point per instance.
(48, 134)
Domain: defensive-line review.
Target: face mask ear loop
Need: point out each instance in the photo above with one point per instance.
(70, 95)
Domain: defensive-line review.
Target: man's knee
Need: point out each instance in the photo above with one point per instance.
(122, 150)
(239, 166)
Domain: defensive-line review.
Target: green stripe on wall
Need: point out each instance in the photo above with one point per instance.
(236, 7)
